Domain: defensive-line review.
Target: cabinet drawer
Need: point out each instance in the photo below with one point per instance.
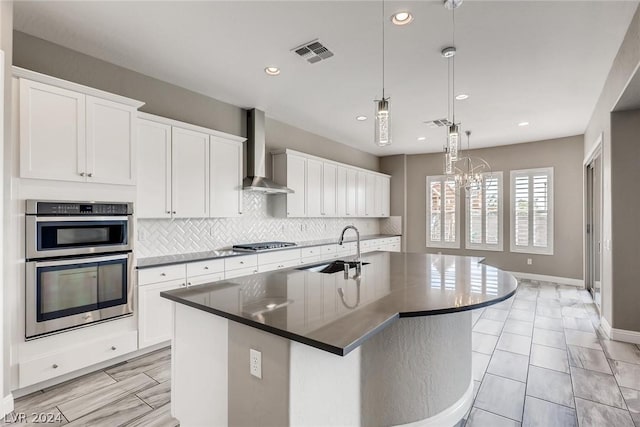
(207, 278)
(279, 265)
(240, 272)
(329, 251)
(394, 248)
(205, 267)
(395, 240)
(311, 259)
(161, 274)
(312, 251)
(279, 256)
(238, 262)
(76, 357)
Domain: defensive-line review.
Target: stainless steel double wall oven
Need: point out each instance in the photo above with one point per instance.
(79, 258)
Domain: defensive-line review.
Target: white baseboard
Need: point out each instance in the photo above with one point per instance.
(6, 405)
(554, 279)
(451, 415)
(623, 335)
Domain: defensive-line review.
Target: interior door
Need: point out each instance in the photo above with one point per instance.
(593, 230)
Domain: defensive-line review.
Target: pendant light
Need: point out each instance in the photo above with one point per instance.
(470, 171)
(382, 112)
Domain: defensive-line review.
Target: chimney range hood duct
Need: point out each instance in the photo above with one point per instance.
(257, 156)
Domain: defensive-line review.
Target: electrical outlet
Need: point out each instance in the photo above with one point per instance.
(529, 261)
(255, 363)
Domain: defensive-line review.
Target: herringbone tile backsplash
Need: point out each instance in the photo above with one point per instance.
(167, 237)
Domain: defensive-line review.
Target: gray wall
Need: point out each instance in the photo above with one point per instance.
(167, 100)
(564, 154)
(396, 166)
(625, 203)
(599, 128)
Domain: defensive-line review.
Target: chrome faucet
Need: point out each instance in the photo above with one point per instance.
(358, 260)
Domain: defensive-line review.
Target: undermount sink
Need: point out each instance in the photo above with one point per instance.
(330, 268)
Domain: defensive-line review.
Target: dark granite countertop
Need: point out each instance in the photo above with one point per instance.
(159, 261)
(335, 314)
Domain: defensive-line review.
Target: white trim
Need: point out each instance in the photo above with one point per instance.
(530, 249)
(545, 278)
(322, 159)
(54, 81)
(623, 335)
(189, 126)
(6, 405)
(441, 244)
(451, 415)
(499, 247)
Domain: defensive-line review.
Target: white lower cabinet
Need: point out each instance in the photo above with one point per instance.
(232, 274)
(155, 314)
(208, 278)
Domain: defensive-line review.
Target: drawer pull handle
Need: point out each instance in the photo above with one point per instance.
(168, 212)
(55, 366)
(182, 285)
(163, 274)
(189, 284)
(241, 262)
(113, 347)
(174, 212)
(206, 268)
(81, 173)
(89, 175)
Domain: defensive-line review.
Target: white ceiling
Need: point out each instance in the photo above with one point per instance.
(544, 62)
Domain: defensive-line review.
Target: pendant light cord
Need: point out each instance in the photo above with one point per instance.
(453, 67)
(383, 50)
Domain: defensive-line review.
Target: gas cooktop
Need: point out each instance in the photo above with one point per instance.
(262, 246)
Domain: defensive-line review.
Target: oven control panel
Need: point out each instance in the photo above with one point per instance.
(79, 208)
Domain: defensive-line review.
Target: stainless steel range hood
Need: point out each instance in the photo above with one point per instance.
(257, 156)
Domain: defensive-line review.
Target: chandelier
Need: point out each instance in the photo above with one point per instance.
(468, 172)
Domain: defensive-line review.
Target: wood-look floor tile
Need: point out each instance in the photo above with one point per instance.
(483, 343)
(592, 414)
(158, 395)
(140, 365)
(588, 358)
(52, 397)
(160, 417)
(550, 358)
(161, 372)
(114, 414)
(549, 385)
(627, 374)
(509, 365)
(540, 413)
(622, 351)
(501, 396)
(83, 405)
(597, 387)
(481, 418)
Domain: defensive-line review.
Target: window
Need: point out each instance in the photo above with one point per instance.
(484, 214)
(442, 213)
(532, 211)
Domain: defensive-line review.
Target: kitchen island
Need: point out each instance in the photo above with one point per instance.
(390, 346)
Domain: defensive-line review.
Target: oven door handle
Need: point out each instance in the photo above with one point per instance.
(91, 260)
(87, 218)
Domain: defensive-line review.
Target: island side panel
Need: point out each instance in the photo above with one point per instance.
(254, 401)
(418, 369)
(199, 378)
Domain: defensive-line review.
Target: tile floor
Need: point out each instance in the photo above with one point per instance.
(135, 393)
(539, 359)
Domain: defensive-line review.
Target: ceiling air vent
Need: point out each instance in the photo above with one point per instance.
(313, 51)
(438, 123)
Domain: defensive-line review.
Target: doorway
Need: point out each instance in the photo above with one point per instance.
(593, 230)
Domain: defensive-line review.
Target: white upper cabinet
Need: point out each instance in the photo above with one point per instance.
(314, 188)
(386, 196)
(341, 191)
(225, 177)
(361, 196)
(352, 192)
(290, 170)
(370, 198)
(154, 170)
(52, 132)
(111, 142)
(190, 174)
(329, 189)
(70, 132)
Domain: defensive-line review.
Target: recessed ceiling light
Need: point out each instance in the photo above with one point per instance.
(523, 124)
(361, 118)
(422, 138)
(401, 18)
(272, 71)
(462, 97)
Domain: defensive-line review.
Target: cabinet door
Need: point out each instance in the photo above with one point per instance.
(352, 192)
(154, 170)
(341, 192)
(370, 198)
(190, 174)
(377, 203)
(225, 182)
(155, 323)
(361, 208)
(52, 133)
(329, 189)
(296, 180)
(111, 142)
(386, 196)
(314, 188)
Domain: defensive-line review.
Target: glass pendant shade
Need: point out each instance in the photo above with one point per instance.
(383, 123)
(453, 142)
(448, 164)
